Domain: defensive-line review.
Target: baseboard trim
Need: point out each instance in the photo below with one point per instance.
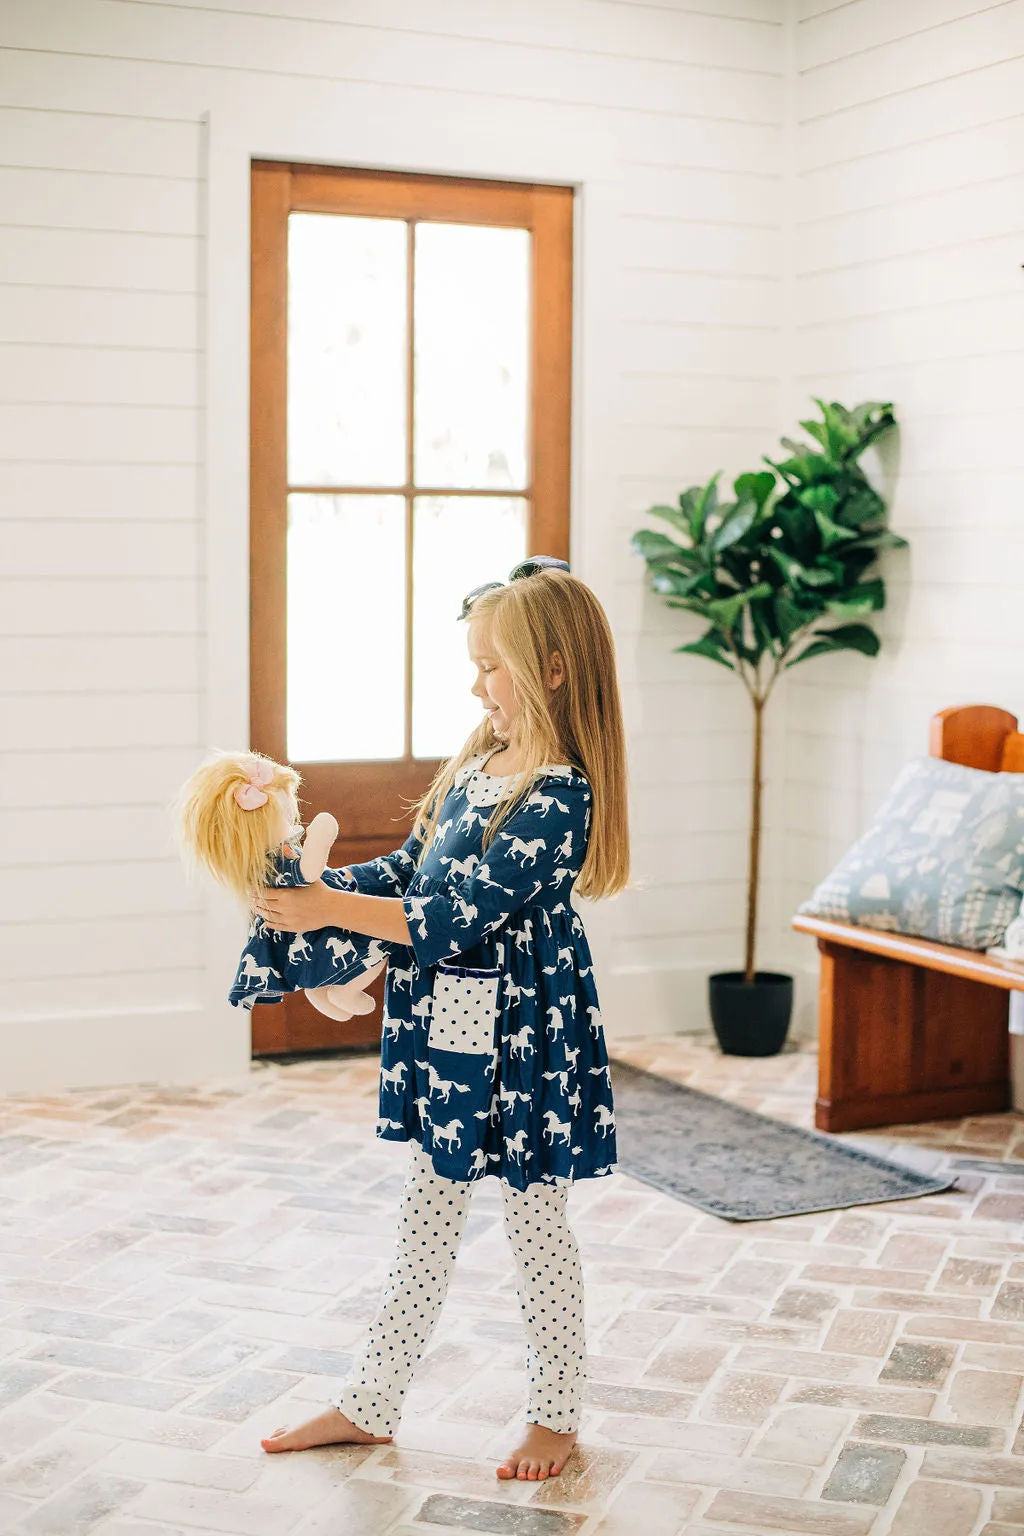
(168, 1046)
(672, 1000)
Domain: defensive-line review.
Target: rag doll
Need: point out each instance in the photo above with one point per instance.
(239, 820)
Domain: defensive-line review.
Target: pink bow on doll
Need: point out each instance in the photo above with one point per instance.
(252, 794)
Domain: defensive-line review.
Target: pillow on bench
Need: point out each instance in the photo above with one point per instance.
(943, 858)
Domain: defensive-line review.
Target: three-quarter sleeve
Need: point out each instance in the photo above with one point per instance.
(541, 845)
(388, 875)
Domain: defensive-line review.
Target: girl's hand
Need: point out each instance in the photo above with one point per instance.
(298, 909)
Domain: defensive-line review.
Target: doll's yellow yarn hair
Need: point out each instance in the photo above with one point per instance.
(235, 846)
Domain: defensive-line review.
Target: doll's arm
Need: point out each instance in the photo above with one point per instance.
(320, 838)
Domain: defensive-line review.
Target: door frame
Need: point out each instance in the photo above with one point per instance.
(289, 127)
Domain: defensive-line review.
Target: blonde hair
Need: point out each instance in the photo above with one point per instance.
(234, 845)
(580, 723)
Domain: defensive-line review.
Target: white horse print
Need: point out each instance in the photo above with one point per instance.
(483, 877)
(575, 1100)
(605, 1072)
(467, 819)
(563, 872)
(555, 1025)
(545, 802)
(515, 1146)
(418, 904)
(401, 978)
(463, 868)
(449, 1133)
(521, 1042)
(554, 1127)
(478, 1163)
(564, 850)
(421, 1109)
(260, 974)
(564, 956)
(465, 912)
(393, 1027)
(525, 852)
(299, 949)
(604, 1120)
(442, 1086)
(508, 1097)
(388, 1125)
(595, 1021)
(341, 949)
(421, 1009)
(493, 1114)
(442, 831)
(394, 1077)
(571, 1058)
(513, 991)
(524, 936)
(563, 1081)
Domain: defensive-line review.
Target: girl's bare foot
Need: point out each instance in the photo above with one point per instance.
(541, 1453)
(328, 1428)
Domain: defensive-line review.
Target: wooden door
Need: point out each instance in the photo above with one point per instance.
(410, 424)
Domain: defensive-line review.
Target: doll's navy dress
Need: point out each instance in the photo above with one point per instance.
(493, 1055)
(274, 963)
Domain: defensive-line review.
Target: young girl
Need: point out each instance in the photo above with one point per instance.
(493, 1056)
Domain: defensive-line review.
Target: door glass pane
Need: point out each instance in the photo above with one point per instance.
(471, 343)
(459, 542)
(346, 350)
(346, 627)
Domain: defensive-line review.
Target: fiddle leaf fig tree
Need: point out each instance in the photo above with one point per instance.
(781, 573)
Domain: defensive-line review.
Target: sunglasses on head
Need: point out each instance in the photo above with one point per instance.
(524, 568)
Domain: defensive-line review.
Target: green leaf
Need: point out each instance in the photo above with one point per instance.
(673, 515)
(655, 546)
(884, 539)
(706, 504)
(789, 619)
(866, 597)
(676, 583)
(832, 533)
(797, 574)
(862, 504)
(848, 637)
(725, 610)
(709, 645)
(755, 487)
(803, 469)
(732, 528)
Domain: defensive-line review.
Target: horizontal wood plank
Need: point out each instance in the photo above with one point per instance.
(972, 965)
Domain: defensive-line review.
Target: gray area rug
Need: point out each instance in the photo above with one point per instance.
(742, 1166)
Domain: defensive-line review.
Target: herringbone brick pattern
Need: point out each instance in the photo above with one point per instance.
(181, 1271)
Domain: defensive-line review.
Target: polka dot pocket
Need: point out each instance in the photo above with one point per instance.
(465, 1009)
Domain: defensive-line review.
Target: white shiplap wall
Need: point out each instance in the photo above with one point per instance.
(116, 503)
(908, 226)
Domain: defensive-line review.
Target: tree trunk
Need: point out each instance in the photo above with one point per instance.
(754, 864)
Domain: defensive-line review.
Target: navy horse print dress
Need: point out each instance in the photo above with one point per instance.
(493, 1054)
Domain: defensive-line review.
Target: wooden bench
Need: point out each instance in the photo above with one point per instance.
(910, 1030)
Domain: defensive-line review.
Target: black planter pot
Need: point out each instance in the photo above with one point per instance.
(750, 1018)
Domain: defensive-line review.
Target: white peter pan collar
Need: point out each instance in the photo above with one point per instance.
(488, 788)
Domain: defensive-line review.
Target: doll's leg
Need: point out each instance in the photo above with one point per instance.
(430, 1225)
(350, 997)
(321, 999)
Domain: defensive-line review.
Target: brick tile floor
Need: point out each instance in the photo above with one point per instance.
(183, 1270)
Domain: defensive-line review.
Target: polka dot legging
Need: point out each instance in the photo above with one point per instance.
(431, 1222)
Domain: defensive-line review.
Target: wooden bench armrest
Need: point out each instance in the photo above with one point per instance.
(972, 964)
